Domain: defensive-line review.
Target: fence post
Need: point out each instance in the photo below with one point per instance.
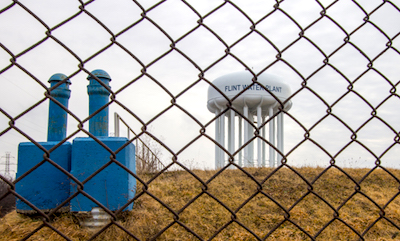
(116, 125)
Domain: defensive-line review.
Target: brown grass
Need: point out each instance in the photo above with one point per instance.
(206, 216)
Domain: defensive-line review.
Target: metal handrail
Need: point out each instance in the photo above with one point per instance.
(154, 158)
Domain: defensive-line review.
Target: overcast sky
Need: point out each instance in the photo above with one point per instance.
(84, 36)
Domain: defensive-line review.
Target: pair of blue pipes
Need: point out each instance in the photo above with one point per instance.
(47, 186)
(98, 97)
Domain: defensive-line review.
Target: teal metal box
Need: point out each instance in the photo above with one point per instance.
(113, 186)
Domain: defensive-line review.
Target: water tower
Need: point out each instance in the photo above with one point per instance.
(255, 103)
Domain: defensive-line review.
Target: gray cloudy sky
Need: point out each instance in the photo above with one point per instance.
(84, 36)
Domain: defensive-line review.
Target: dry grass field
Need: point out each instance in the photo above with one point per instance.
(296, 207)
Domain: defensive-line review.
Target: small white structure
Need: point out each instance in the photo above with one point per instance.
(254, 102)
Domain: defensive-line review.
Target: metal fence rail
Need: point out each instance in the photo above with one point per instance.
(147, 161)
(282, 47)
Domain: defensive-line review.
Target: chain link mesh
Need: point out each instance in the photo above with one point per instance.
(175, 41)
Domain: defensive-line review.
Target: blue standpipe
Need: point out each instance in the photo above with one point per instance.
(113, 187)
(98, 97)
(47, 187)
(57, 125)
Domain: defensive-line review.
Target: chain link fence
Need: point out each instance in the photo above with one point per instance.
(341, 59)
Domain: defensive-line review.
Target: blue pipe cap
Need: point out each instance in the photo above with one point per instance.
(99, 73)
(55, 78)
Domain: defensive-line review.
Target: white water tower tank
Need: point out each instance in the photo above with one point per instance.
(255, 101)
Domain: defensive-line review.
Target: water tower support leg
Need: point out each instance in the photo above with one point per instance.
(217, 138)
(251, 144)
(246, 135)
(240, 141)
(231, 131)
(280, 136)
(263, 144)
(259, 141)
(271, 139)
(222, 152)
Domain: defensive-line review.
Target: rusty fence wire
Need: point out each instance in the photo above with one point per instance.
(299, 43)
